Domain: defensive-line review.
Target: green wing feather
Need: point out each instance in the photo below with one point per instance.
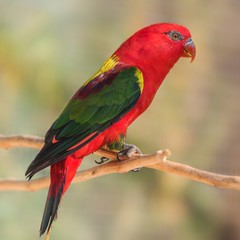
(97, 105)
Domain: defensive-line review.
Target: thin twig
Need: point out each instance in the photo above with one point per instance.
(156, 161)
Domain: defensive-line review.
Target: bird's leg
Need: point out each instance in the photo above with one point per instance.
(129, 150)
(102, 160)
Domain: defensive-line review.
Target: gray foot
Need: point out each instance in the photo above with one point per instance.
(129, 150)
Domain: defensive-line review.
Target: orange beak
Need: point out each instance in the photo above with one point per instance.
(189, 49)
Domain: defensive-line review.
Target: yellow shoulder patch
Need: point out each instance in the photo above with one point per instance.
(109, 64)
(140, 81)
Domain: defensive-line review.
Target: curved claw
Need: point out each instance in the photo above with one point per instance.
(136, 169)
(102, 160)
(128, 151)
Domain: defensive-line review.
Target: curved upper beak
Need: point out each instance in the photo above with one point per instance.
(189, 49)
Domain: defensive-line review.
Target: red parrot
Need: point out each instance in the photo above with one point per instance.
(101, 110)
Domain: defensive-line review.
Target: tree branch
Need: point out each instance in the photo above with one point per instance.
(21, 141)
(156, 161)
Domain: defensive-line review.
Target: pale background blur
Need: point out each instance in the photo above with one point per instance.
(49, 48)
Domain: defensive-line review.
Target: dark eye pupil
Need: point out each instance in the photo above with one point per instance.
(174, 35)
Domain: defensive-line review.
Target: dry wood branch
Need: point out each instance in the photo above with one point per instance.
(20, 141)
(156, 161)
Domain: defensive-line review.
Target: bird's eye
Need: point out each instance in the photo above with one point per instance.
(175, 36)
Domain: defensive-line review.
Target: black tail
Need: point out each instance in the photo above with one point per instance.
(53, 199)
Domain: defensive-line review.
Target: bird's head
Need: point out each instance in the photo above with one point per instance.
(160, 45)
(177, 40)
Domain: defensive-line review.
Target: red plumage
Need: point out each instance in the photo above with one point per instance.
(152, 52)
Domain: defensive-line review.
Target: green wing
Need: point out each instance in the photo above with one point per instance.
(98, 104)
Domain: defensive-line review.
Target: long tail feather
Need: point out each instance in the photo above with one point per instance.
(53, 200)
(50, 212)
(62, 174)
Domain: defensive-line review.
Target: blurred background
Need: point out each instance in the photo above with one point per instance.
(49, 48)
